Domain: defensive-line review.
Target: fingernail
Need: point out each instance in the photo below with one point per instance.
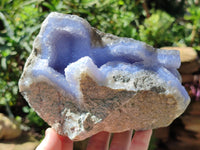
(48, 130)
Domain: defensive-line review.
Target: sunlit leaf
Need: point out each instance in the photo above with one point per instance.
(2, 41)
(89, 2)
(26, 109)
(3, 63)
(6, 24)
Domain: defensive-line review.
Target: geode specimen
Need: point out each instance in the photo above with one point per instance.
(82, 81)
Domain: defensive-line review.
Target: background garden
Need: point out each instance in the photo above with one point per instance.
(158, 23)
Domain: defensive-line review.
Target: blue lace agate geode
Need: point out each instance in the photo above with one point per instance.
(82, 81)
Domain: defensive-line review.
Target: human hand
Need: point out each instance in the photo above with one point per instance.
(100, 141)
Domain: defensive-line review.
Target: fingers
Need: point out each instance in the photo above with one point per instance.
(141, 140)
(67, 144)
(99, 141)
(54, 141)
(50, 142)
(121, 141)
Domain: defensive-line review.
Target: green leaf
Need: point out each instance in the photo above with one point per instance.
(26, 109)
(5, 51)
(15, 90)
(18, 119)
(121, 2)
(3, 63)
(2, 41)
(197, 48)
(48, 5)
(7, 26)
(89, 2)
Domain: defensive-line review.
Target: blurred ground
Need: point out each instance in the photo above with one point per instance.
(25, 142)
(183, 133)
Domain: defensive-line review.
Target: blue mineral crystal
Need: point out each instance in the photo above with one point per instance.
(82, 81)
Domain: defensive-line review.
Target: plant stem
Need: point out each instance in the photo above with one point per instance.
(145, 7)
(10, 114)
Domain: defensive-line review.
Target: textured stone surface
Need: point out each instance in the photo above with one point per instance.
(82, 81)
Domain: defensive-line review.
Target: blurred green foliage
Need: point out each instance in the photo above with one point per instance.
(156, 30)
(146, 21)
(32, 118)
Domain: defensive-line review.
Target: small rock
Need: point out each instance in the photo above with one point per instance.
(9, 129)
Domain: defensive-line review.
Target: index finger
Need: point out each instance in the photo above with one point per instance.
(141, 140)
(99, 141)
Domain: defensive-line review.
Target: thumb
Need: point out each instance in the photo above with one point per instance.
(51, 141)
